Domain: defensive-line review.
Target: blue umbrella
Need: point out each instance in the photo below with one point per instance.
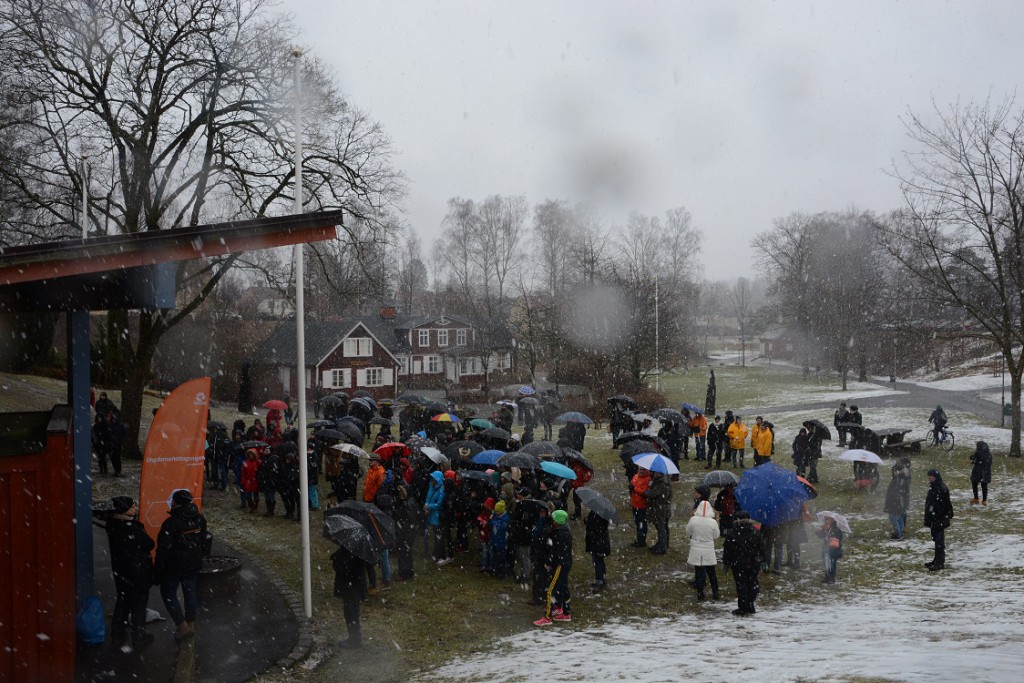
(487, 457)
(692, 408)
(655, 462)
(527, 390)
(573, 416)
(557, 469)
(771, 494)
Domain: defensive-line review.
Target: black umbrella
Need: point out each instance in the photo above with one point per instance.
(622, 398)
(215, 424)
(350, 432)
(628, 437)
(332, 401)
(361, 393)
(523, 461)
(331, 434)
(462, 450)
(382, 421)
(350, 535)
(365, 400)
(497, 434)
(417, 442)
(351, 419)
(570, 455)
(254, 444)
(542, 449)
(411, 398)
(376, 521)
(528, 401)
(433, 408)
(819, 426)
(638, 446)
(719, 479)
(598, 503)
(670, 415)
(477, 475)
(320, 424)
(340, 394)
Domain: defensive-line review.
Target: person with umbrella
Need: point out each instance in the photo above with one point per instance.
(897, 497)
(702, 530)
(813, 455)
(559, 564)
(659, 510)
(638, 486)
(716, 440)
(981, 472)
(938, 512)
(432, 503)
(841, 416)
(406, 516)
(350, 586)
(737, 434)
(743, 553)
(598, 543)
(801, 452)
(726, 506)
(521, 523)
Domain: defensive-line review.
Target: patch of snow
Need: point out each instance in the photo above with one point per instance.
(967, 383)
(797, 395)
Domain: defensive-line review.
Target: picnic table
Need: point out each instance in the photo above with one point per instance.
(886, 442)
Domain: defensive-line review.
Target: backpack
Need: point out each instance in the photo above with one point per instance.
(332, 464)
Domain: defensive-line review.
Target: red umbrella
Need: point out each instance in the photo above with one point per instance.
(812, 492)
(274, 404)
(392, 448)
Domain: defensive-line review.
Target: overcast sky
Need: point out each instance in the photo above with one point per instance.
(742, 112)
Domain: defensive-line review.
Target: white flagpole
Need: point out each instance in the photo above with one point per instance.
(657, 340)
(300, 351)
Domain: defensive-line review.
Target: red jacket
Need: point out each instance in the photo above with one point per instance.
(250, 468)
(640, 483)
(374, 478)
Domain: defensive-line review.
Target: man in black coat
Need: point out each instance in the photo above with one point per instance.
(743, 553)
(559, 563)
(938, 511)
(132, 566)
(839, 417)
(350, 585)
(716, 442)
(179, 557)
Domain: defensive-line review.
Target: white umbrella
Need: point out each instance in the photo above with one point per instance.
(860, 455)
(350, 449)
(840, 521)
(434, 454)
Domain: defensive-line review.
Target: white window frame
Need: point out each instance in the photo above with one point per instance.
(460, 337)
(374, 377)
(433, 365)
(403, 365)
(357, 347)
(337, 378)
(442, 337)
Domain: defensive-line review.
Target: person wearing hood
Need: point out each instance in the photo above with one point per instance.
(938, 512)
(598, 543)
(432, 504)
(179, 557)
(939, 420)
(702, 529)
(132, 566)
(726, 506)
(659, 510)
(701, 493)
(897, 497)
(981, 473)
(349, 585)
(743, 553)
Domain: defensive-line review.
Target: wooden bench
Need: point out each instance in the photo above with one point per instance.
(886, 442)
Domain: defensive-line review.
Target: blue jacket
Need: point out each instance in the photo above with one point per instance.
(435, 498)
(499, 531)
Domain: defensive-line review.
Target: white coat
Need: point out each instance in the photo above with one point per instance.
(702, 530)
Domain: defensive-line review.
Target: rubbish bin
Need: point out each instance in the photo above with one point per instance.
(1007, 409)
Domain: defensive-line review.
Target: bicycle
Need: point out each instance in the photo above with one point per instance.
(946, 439)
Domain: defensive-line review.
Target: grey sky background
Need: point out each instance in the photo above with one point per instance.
(743, 112)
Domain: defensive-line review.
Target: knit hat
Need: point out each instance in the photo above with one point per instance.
(704, 491)
(449, 474)
(489, 503)
(560, 516)
(181, 497)
(403, 461)
(122, 504)
(934, 473)
(499, 507)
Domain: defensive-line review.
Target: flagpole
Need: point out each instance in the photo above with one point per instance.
(657, 340)
(300, 350)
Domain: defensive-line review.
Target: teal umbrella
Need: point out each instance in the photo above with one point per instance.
(557, 469)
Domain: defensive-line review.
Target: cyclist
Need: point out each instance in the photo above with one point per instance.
(938, 419)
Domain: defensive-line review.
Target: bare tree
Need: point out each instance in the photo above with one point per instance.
(740, 301)
(186, 106)
(412, 274)
(962, 233)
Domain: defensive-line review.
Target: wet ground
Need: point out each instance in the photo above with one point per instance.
(244, 626)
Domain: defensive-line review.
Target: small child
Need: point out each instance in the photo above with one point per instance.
(831, 548)
(483, 521)
(499, 540)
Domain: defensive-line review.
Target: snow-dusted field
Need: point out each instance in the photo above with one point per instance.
(963, 624)
(798, 395)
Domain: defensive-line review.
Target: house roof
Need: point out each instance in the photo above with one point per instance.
(322, 337)
(411, 322)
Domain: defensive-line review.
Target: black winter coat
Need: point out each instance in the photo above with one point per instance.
(269, 474)
(938, 509)
(521, 523)
(130, 548)
(982, 461)
(560, 547)
(716, 435)
(179, 545)
(596, 538)
(897, 497)
(349, 575)
(743, 548)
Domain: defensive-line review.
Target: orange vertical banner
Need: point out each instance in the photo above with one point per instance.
(175, 452)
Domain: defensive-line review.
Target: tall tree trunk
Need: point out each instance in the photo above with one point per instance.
(1015, 386)
(139, 365)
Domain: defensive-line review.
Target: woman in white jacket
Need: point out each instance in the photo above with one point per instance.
(702, 530)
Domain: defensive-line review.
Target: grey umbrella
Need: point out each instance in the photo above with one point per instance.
(523, 461)
(598, 503)
(719, 479)
(350, 535)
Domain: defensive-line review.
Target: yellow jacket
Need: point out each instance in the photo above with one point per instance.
(761, 440)
(737, 434)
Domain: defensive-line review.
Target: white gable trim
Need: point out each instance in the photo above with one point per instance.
(359, 323)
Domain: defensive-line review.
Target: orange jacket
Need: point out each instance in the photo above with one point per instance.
(374, 478)
(699, 425)
(761, 440)
(640, 483)
(737, 435)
